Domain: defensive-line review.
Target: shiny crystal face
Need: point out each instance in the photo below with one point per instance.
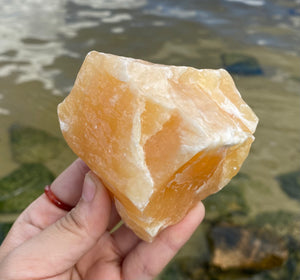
(160, 137)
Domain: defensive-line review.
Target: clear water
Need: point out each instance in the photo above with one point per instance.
(43, 45)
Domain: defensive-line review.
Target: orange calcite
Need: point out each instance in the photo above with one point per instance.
(161, 138)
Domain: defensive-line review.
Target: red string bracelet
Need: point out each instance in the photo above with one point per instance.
(51, 196)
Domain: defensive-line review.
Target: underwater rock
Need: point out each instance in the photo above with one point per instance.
(287, 226)
(196, 252)
(4, 229)
(229, 202)
(29, 145)
(290, 184)
(19, 188)
(241, 64)
(171, 272)
(192, 260)
(246, 249)
(294, 11)
(195, 260)
(282, 223)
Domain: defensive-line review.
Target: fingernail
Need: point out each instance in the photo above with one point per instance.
(89, 188)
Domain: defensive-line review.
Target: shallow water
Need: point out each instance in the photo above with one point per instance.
(43, 46)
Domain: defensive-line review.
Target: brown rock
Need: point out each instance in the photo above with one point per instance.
(249, 249)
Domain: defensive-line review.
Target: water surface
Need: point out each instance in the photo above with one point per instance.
(42, 47)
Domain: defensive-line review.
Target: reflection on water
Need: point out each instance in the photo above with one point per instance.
(42, 47)
(33, 35)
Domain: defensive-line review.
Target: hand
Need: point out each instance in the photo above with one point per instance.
(47, 242)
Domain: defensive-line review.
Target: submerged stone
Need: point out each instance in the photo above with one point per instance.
(290, 184)
(282, 223)
(241, 64)
(171, 272)
(237, 248)
(4, 229)
(29, 145)
(228, 203)
(19, 188)
(294, 11)
(160, 137)
(192, 260)
(196, 252)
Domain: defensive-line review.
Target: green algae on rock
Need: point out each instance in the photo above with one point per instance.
(283, 223)
(4, 229)
(241, 64)
(290, 184)
(228, 203)
(29, 145)
(22, 186)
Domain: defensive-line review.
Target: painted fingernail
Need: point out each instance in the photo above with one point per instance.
(89, 188)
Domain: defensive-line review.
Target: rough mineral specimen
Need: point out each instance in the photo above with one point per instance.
(160, 137)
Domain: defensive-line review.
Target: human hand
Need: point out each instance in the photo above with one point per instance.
(47, 242)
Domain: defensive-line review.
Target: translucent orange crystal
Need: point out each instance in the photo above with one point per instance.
(160, 137)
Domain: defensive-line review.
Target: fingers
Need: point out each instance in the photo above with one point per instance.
(125, 239)
(42, 213)
(67, 187)
(148, 259)
(62, 244)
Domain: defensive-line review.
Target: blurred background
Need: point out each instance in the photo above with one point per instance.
(252, 227)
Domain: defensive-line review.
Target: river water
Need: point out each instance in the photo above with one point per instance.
(42, 46)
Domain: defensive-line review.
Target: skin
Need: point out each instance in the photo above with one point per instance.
(47, 242)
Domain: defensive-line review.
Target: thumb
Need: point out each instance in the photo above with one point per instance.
(61, 245)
